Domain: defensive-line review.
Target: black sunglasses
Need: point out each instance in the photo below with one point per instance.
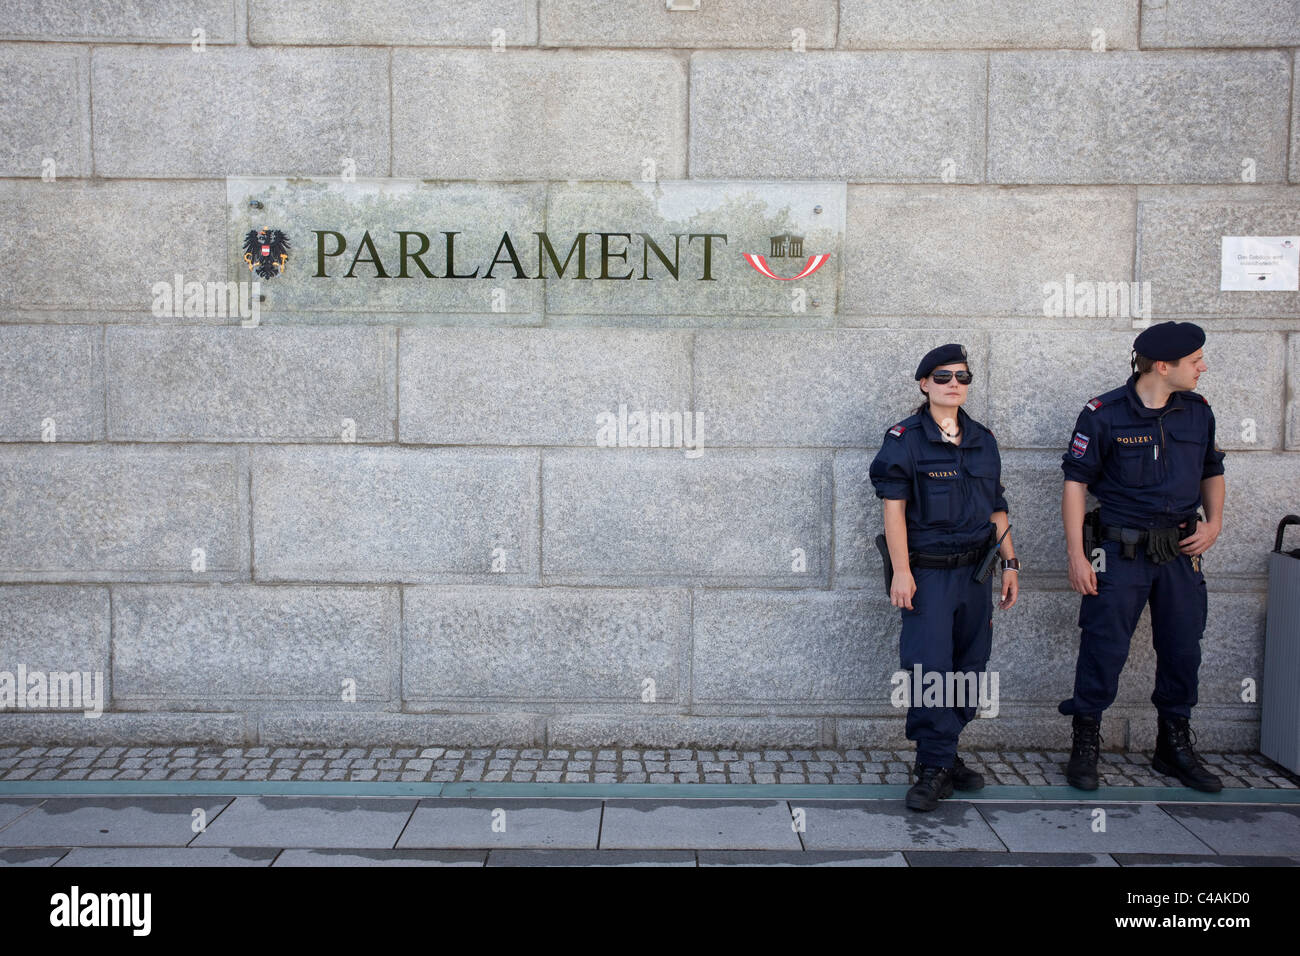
(944, 376)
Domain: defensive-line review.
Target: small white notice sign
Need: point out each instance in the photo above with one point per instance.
(1260, 264)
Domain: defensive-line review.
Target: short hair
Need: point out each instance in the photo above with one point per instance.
(1141, 364)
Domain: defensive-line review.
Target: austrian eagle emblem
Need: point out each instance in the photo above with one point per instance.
(266, 252)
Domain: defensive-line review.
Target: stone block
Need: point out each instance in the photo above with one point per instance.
(806, 651)
(1261, 489)
(653, 515)
(119, 21)
(121, 512)
(217, 121)
(395, 514)
(883, 117)
(538, 386)
(1034, 482)
(1220, 23)
(49, 628)
(48, 271)
(551, 645)
(1180, 238)
(1136, 117)
(1293, 392)
(1011, 242)
(53, 383)
(123, 729)
(393, 23)
(44, 110)
(986, 24)
(673, 730)
(292, 729)
(252, 384)
(1295, 126)
(767, 24)
(243, 647)
(534, 114)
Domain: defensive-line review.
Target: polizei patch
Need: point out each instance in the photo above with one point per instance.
(1080, 445)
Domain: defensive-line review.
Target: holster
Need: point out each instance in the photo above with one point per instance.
(1129, 539)
(883, 547)
(1091, 532)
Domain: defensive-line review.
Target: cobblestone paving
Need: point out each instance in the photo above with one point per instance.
(439, 764)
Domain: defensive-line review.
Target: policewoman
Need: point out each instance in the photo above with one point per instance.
(938, 474)
(1146, 450)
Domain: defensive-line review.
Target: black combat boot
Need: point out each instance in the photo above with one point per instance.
(1174, 756)
(932, 785)
(1081, 771)
(963, 777)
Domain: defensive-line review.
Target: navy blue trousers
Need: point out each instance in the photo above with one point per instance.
(950, 629)
(1176, 591)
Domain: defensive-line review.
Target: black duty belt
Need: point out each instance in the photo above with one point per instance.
(919, 559)
(1113, 533)
(1160, 544)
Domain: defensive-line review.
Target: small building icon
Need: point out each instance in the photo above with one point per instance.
(786, 245)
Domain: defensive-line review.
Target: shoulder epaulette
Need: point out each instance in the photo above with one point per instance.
(1198, 397)
(897, 430)
(1093, 405)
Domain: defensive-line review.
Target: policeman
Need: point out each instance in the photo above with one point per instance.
(1147, 452)
(938, 474)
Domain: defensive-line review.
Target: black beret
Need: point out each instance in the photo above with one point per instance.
(1169, 341)
(943, 355)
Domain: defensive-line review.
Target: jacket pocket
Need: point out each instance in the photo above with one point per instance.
(1135, 458)
(938, 491)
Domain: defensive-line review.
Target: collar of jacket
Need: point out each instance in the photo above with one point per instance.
(1135, 400)
(970, 436)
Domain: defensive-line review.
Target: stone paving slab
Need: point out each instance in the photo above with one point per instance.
(168, 856)
(34, 857)
(561, 823)
(698, 824)
(985, 858)
(889, 825)
(313, 822)
(301, 857)
(1129, 828)
(1191, 859)
(799, 858)
(11, 809)
(1263, 831)
(111, 821)
(591, 858)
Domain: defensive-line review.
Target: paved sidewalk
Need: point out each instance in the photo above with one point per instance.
(492, 765)
(190, 830)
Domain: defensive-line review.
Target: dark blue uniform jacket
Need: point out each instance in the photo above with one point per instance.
(950, 490)
(1144, 465)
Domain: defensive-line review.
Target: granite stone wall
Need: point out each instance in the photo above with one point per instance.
(180, 513)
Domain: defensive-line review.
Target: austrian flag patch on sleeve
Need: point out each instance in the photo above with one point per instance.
(1080, 445)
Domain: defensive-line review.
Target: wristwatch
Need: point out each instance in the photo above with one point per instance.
(1011, 564)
